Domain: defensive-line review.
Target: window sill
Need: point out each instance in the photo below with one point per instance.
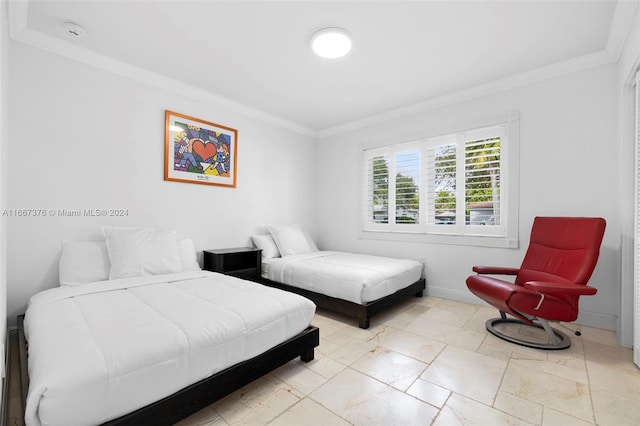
(461, 240)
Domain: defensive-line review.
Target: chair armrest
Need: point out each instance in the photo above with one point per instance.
(570, 289)
(495, 270)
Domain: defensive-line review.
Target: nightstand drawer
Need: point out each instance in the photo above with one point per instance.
(243, 262)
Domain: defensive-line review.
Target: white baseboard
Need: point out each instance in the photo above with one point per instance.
(597, 320)
(589, 319)
(457, 295)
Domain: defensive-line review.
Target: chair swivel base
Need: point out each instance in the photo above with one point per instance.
(557, 341)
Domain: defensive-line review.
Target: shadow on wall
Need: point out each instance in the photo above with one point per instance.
(50, 276)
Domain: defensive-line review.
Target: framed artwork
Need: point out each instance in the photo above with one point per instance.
(198, 151)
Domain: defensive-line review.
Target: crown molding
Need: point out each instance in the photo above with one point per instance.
(512, 82)
(620, 27)
(621, 24)
(17, 11)
(19, 31)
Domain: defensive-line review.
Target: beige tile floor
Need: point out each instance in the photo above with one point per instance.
(430, 361)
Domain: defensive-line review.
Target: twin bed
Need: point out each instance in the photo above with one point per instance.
(138, 334)
(357, 285)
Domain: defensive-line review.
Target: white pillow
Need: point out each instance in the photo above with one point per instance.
(138, 251)
(83, 262)
(289, 239)
(187, 253)
(310, 242)
(267, 245)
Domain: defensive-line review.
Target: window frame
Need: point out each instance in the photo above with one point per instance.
(460, 233)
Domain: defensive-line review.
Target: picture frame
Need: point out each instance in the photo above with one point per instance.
(199, 151)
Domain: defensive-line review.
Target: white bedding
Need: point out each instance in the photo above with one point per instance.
(101, 350)
(357, 278)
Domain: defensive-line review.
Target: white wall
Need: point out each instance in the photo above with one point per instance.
(86, 138)
(4, 98)
(569, 160)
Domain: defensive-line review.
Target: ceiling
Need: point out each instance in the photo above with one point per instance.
(255, 56)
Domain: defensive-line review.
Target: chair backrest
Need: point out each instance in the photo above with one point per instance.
(562, 249)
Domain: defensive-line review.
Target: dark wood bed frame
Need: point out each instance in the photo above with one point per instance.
(363, 312)
(193, 398)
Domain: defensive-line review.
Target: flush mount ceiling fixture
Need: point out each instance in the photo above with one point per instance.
(331, 43)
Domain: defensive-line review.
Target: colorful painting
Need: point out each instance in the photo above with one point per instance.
(198, 151)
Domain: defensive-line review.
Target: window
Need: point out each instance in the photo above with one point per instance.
(453, 185)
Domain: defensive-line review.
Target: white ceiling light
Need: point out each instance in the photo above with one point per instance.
(331, 43)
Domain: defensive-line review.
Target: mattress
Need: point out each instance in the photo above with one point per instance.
(101, 350)
(357, 278)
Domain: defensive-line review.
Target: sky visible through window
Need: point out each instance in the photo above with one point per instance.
(408, 164)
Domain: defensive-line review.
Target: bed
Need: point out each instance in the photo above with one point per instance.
(152, 348)
(357, 285)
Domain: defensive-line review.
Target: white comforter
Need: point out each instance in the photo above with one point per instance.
(358, 278)
(101, 350)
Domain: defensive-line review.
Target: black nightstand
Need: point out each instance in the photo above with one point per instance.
(243, 262)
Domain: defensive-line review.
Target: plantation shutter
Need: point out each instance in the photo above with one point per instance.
(453, 184)
(377, 202)
(482, 181)
(442, 183)
(407, 187)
